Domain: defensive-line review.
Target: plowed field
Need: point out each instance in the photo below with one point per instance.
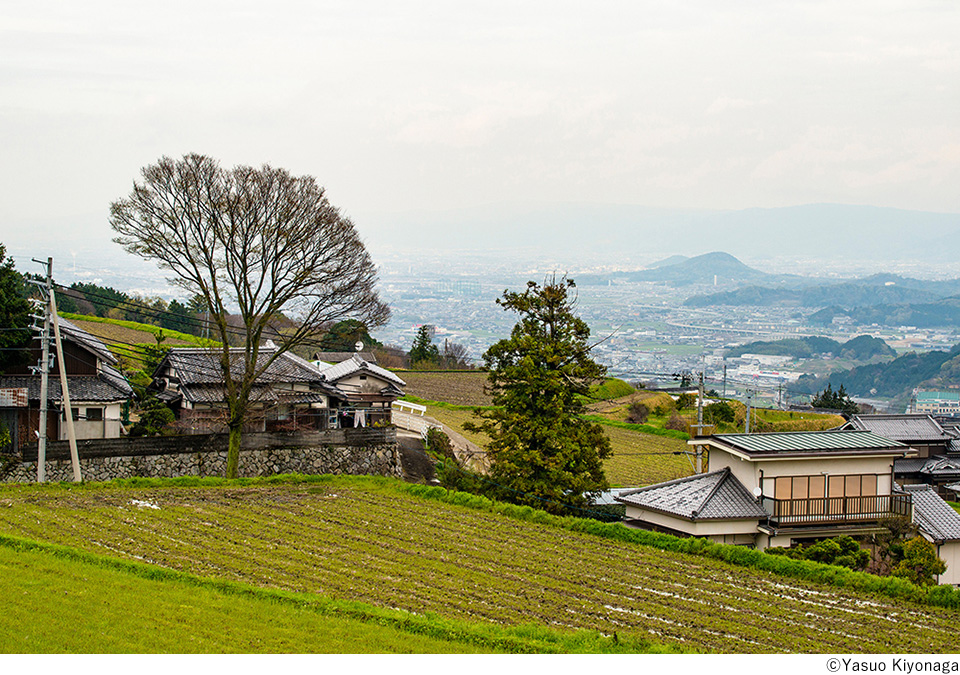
(365, 540)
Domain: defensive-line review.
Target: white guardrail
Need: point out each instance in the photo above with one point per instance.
(413, 407)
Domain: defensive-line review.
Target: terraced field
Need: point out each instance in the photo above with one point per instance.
(368, 540)
(457, 388)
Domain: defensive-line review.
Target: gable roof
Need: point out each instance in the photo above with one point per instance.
(717, 495)
(201, 380)
(198, 365)
(906, 428)
(354, 365)
(933, 515)
(90, 342)
(806, 444)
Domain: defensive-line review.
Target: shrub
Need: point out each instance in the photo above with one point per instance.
(155, 419)
(920, 563)
(719, 412)
(676, 423)
(637, 413)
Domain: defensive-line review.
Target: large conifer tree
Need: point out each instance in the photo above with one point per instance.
(542, 452)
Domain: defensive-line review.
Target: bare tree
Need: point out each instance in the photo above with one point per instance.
(261, 242)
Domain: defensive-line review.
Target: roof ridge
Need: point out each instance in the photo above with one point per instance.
(726, 473)
(675, 481)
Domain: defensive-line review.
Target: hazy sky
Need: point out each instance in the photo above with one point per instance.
(429, 106)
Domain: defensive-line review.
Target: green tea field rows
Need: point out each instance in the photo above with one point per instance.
(367, 540)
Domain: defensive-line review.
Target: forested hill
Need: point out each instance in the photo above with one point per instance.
(897, 378)
(861, 348)
(852, 294)
(941, 313)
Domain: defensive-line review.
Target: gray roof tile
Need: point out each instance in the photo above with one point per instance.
(710, 496)
(355, 364)
(109, 385)
(905, 428)
(933, 515)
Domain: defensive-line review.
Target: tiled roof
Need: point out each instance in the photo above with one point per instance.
(109, 385)
(201, 380)
(904, 428)
(356, 364)
(339, 357)
(76, 334)
(710, 496)
(933, 515)
(938, 465)
(810, 442)
(202, 366)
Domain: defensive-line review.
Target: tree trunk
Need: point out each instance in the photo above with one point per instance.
(233, 450)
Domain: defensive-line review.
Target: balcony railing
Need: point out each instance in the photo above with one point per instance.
(836, 509)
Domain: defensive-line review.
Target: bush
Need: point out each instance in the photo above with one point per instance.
(676, 423)
(920, 563)
(719, 412)
(637, 413)
(686, 401)
(155, 419)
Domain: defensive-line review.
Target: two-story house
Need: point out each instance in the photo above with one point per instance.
(778, 489)
(98, 390)
(937, 462)
(782, 489)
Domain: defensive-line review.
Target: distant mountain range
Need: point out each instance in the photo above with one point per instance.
(710, 268)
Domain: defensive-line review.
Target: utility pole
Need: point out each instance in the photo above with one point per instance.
(746, 424)
(65, 390)
(44, 368)
(724, 380)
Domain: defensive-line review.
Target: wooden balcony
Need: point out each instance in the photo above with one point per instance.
(836, 510)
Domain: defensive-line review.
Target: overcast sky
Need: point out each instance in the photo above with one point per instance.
(428, 106)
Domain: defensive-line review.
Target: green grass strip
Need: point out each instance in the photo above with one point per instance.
(643, 428)
(515, 639)
(145, 327)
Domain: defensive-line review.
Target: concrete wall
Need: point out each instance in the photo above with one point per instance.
(340, 451)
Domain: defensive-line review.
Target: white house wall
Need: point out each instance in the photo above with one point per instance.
(949, 552)
(108, 427)
(742, 530)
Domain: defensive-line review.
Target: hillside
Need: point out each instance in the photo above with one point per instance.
(894, 378)
(944, 312)
(410, 548)
(860, 348)
(848, 295)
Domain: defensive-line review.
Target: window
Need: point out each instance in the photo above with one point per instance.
(817, 487)
(94, 414)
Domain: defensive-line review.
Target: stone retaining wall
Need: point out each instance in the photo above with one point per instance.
(339, 451)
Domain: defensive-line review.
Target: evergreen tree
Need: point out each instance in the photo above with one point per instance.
(424, 352)
(835, 400)
(14, 314)
(542, 451)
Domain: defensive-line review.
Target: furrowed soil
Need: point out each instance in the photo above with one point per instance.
(371, 541)
(458, 388)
